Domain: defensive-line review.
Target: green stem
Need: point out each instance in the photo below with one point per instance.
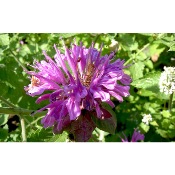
(24, 136)
(20, 111)
(141, 50)
(97, 132)
(136, 54)
(94, 139)
(170, 102)
(101, 136)
(7, 102)
(34, 121)
(34, 128)
(24, 68)
(96, 38)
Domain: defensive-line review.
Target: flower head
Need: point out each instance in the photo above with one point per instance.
(167, 80)
(146, 118)
(93, 80)
(136, 136)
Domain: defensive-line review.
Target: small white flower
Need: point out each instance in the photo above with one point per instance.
(146, 118)
(167, 80)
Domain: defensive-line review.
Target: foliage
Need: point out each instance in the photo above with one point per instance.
(150, 52)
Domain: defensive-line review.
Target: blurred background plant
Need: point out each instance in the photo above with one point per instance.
(150, 52)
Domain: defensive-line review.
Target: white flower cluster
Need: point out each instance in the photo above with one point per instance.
(167, 80)
(146, 118)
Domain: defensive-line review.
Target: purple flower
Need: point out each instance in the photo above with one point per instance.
(136, 136)
(93, 80)
(21, 42)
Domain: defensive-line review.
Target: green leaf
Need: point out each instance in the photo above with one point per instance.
(172, 119)
(166, 114)
(172, 47)
(111, 35)
(165, 123)
(162, 132)
(143, 127)
(127, 42)
(59, 138)
(4, 39)
(3, 132)
(137, 70)
(149, 64)
(40, 135)
(147, 34)
(156, 48)
(3, 118)
(64, 35)
(150, 82)
(145, 93)
(154, 123)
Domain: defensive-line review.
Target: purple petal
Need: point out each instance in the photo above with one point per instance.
(41, 98)
(73, 108)
(137, 136)
(52, 105)
(126, 79)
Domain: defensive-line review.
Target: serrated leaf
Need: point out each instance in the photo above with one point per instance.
(172, 119)
(4, 39)
(150, 82)
(165, 123)
(64, 35)
(155, 48)
(145, 93)
(154, 123)
(162, 132)
(59, 138)
(40, 135)
(3, 118)
(149, 64)
(3, 132)
(111, 35)
(172, 47)
(127, 42)
(171, 133)
(166, 114)
(137, 70)
(147, 34)
(143, 127)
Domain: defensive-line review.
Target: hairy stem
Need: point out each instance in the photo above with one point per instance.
(96, 38)
(24, 136)
(21, 64)
(101, 136)
(7, 102)
(97, 133)
(30, 124)
(20, 111)
(144, 47)
(170, 102)
(136, 54)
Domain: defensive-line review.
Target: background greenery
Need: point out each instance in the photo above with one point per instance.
(150, 52)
